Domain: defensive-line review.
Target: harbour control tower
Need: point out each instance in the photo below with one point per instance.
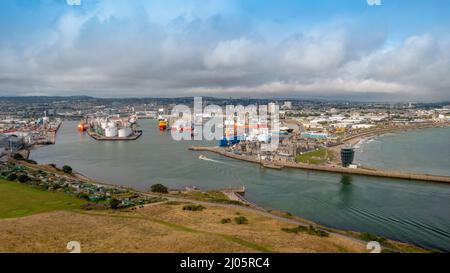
(347, 156)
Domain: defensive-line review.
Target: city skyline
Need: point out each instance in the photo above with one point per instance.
(345, 50)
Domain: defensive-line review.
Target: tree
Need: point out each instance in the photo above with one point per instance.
(23, 178)
(114, 203)
(67, 169)
(159, 188)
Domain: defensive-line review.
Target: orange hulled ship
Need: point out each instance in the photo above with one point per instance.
(162, 124)
(82, 127)
(162, 121)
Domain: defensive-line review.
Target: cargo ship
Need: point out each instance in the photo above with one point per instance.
(162, 121)
(82, 127)
(162, 124)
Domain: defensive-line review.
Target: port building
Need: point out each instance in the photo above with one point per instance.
(347, 156)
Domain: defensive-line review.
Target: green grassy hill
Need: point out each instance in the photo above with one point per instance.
(17, 200)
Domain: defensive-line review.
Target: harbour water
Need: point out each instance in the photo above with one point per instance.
(420, 151)
(409, 211)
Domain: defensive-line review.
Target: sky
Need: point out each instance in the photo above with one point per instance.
(366, 50)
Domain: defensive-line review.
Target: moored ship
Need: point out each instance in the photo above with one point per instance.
(162, 124)
(162, 121)
(82, 127)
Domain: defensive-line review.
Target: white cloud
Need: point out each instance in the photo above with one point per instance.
(69, 28)
(321, 87)
(315, 54)
(233, 54)
(122, 49)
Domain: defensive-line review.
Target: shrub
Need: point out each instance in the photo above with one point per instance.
(371, 237)
(12, 177)
(67, 169)
(295, 229)
(159, 188)
(83, 196)
(230, 202)
(17, 156)
(309, 230)
(225, 221)
(194, 207)
(114, 203)
(317, 232)
(241, 220)
(31, 161)
(23, 178)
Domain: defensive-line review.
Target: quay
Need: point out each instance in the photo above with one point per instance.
(270, 165)
(334, 169)
(238, 194)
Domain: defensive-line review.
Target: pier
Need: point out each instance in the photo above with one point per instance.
(333, 169)
(238, 194)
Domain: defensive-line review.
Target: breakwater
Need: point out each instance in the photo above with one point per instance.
(334, 169)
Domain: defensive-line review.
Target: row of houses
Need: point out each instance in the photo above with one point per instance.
(92, 192)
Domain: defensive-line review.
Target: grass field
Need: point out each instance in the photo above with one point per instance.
(17, 200)
(32, 220)
(160, 228)
(314, 157)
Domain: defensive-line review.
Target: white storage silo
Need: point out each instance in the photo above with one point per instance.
(103, 124)
(125, 132)
(111, 131)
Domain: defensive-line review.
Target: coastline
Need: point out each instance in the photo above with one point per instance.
(361, 137)
(334, 169)
(389, 245)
